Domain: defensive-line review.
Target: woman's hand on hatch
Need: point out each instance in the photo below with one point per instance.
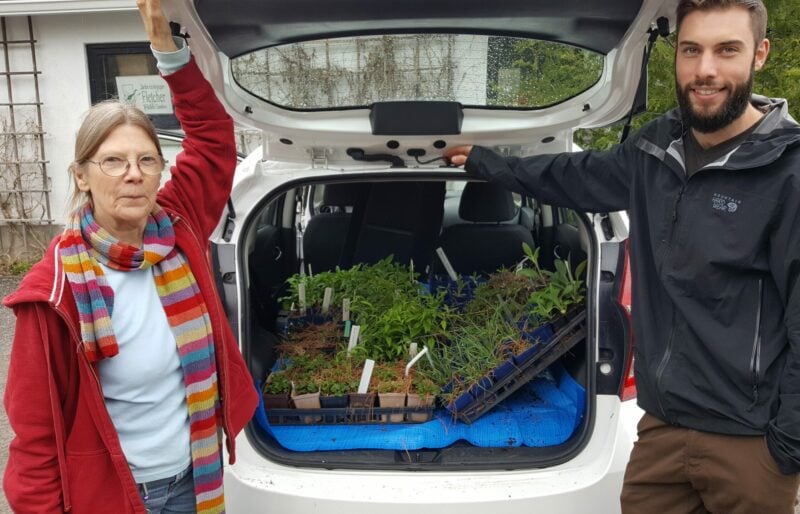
(156, 25)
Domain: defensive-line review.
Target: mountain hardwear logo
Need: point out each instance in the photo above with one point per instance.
(725, 203)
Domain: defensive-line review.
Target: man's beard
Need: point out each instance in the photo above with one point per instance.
(733, 107)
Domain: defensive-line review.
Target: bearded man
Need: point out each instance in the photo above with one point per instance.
(713, 192)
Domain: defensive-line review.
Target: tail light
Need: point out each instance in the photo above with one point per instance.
(628, 389)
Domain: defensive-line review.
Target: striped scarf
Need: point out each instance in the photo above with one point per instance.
(186, 313)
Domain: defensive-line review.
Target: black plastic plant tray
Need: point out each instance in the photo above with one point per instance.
(349, 416)
(487, 398)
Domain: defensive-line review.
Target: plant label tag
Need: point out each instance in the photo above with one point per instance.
(346, 309)
(366, 375)
(412, 350)
(411, 267)
(301, 293)
(326, 299)
(310, 273)
(446, 263)
(354, 330)
(347, 325)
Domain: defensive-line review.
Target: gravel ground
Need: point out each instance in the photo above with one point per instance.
(7, 285)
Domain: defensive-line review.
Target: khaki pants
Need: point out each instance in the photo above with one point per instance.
(676, 470)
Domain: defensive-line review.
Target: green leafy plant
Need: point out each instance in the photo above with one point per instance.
(563, 291)
(277, 383)
(388, 377)
(423, 386)
(387, 333)
(303, 371)
(339, 377)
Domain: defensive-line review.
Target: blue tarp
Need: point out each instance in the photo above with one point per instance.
(543, 413)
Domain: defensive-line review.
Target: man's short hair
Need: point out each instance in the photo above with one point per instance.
(758, 13)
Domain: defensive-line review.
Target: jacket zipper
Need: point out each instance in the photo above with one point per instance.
(662, 366)
(755, 356)
(675, 211)
(673, 225)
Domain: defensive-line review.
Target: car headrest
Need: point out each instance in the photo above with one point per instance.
(483, 202)
(342, 194)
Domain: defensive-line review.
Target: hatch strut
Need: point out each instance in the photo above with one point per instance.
(661, 29)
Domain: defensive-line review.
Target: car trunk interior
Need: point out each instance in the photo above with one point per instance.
(323, 225)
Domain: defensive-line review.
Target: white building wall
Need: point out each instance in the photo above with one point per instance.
(64, 81)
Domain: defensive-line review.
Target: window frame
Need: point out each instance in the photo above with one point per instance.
(95, 54)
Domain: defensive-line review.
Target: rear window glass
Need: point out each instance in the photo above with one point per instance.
(477, 71)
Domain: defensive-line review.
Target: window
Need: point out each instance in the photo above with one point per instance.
(475, 70)
(133, 67)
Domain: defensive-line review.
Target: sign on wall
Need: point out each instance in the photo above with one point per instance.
(149, 93)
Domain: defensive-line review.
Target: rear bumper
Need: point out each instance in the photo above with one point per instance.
(590, 482)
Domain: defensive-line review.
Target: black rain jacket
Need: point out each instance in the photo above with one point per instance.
(715, 261)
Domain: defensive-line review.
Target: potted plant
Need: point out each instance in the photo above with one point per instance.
(275, 393)
(304, 374)
(388, 382)
(335, 382)
(561, 296)
(311, 340)
(410, 316)
(361, 401)
(422, 395)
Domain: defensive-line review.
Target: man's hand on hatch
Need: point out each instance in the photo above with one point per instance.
(458, 154)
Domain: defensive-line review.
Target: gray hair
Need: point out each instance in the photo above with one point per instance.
(98, 123)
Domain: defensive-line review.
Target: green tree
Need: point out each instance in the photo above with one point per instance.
(548, 72)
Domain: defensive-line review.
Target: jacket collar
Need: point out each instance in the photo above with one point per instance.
(778, 131)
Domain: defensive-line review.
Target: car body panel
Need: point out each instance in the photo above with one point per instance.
(301, 147)
(590, 482)
(597, 25)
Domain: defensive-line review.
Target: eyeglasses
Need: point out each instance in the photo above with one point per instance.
(117, 166)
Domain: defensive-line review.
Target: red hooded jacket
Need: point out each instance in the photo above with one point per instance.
(66, 455)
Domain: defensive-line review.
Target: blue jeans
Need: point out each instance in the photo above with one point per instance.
(172, 495)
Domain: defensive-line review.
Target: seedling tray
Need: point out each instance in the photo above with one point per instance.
(484, 398)
(350, 416)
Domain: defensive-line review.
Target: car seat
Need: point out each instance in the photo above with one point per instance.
(325, 235)
(486, 241)
(402, 219)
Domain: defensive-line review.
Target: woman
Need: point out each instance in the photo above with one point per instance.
(124, 373)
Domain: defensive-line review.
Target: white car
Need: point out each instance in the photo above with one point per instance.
(356, 101)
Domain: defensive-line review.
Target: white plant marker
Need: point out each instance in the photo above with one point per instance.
(366, 375)
(301, 292)
(326, 299)
(346, 309)
(310, 273)
(446, 263)
(354, 330)
(415, 359)
(412, 350)
(411, 266)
